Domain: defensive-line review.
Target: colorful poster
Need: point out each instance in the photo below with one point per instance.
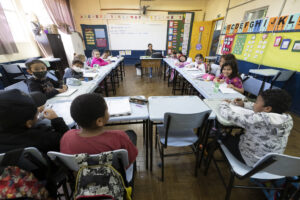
(239, 44)
(227, 45)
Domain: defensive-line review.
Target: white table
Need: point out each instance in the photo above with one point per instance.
(205, 88)
(159, 105)
(264, 72)
(213, 104)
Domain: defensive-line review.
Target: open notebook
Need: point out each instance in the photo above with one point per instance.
(224, 89)
(118, 107)
(69, 92)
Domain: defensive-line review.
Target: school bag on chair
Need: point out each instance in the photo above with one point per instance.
(16, 182)
(98, 179)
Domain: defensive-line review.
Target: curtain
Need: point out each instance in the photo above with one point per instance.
(60, 14)
(7, 43)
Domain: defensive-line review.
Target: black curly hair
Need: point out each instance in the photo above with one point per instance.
(278, 99)
(234, 67)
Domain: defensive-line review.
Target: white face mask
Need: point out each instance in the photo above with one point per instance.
(76, 69)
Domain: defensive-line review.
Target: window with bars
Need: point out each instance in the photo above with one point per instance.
(255, 14)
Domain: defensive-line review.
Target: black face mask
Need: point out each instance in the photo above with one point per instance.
(40, 75)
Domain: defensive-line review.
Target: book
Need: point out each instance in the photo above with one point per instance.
(67, 93)
(118, 106)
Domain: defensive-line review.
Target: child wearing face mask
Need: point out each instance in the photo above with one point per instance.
(39, 82)
(75, 71)
(199, 64)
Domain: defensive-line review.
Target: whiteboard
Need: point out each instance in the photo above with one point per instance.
(137, 36)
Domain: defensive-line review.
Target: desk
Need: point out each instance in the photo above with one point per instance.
(159, 105)
(264, 72)
(213, 104)
(205, 88)
(148, 62)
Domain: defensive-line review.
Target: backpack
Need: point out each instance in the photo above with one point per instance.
(97, 178)
(16, 182)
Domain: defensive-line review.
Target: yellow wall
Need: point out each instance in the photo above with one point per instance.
(205, 38)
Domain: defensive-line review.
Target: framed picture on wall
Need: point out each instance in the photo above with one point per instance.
(296, 46)
(285, 44)
(277, 41)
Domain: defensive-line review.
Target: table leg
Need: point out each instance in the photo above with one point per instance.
(151, 143)
(174, 82)
(165, 68)
(106, 87)
(147, 143)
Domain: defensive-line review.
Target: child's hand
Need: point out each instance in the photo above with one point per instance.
(41, 108)
(63, 89)
(227, 100)
(216, 80)
(50, 114)
(238, 102)
(230, 86)
(221, 80)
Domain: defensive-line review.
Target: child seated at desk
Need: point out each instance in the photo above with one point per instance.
(18, 116)
(266, 123)
(75, 71)
(182, 61)
(90, 112)
(199, 64)
(106, 55)
(97, 60)
(230, 76)
(40, 82)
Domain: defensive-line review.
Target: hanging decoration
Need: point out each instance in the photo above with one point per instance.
(130, 17)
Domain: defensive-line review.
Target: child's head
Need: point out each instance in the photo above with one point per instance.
(150, 46)
(90, 111)
(96, 53)
(77, 65)
(178, 54)
(182, 58)
(199, 58)
(80, 57)
(105, 54)
(227, 57)
(37, 68)
(18, 109)
(230, 69)
(273, 100)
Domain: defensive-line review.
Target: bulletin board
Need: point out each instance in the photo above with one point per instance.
(254, 48)
(260, 51)
(179, 33)
(95, 36)
(204, 40)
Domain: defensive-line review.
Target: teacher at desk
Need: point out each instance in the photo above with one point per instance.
(149, 52)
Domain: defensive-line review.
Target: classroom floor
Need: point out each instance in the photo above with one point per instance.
(180, 182)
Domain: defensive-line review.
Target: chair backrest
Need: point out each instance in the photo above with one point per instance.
(283, 76)
(177, 122)
(12, 69)
(252, 85)
(22, 86)
(215, 69)
(69, 159)
(283, 165)
(30, 159)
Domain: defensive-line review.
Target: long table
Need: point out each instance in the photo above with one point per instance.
(205, 88)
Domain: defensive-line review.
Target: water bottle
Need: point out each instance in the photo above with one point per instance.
(216, 88)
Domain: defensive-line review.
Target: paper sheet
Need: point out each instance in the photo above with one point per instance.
(67, 93)
(62, 109)
(118, 107)
(225, 90)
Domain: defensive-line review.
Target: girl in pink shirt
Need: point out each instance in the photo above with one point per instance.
(97, 60)
(229, 75)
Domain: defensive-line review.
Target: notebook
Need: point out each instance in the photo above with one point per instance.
(118, 107)
(62, 109)
(225, 90)
(90, 75)
(69, 92)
